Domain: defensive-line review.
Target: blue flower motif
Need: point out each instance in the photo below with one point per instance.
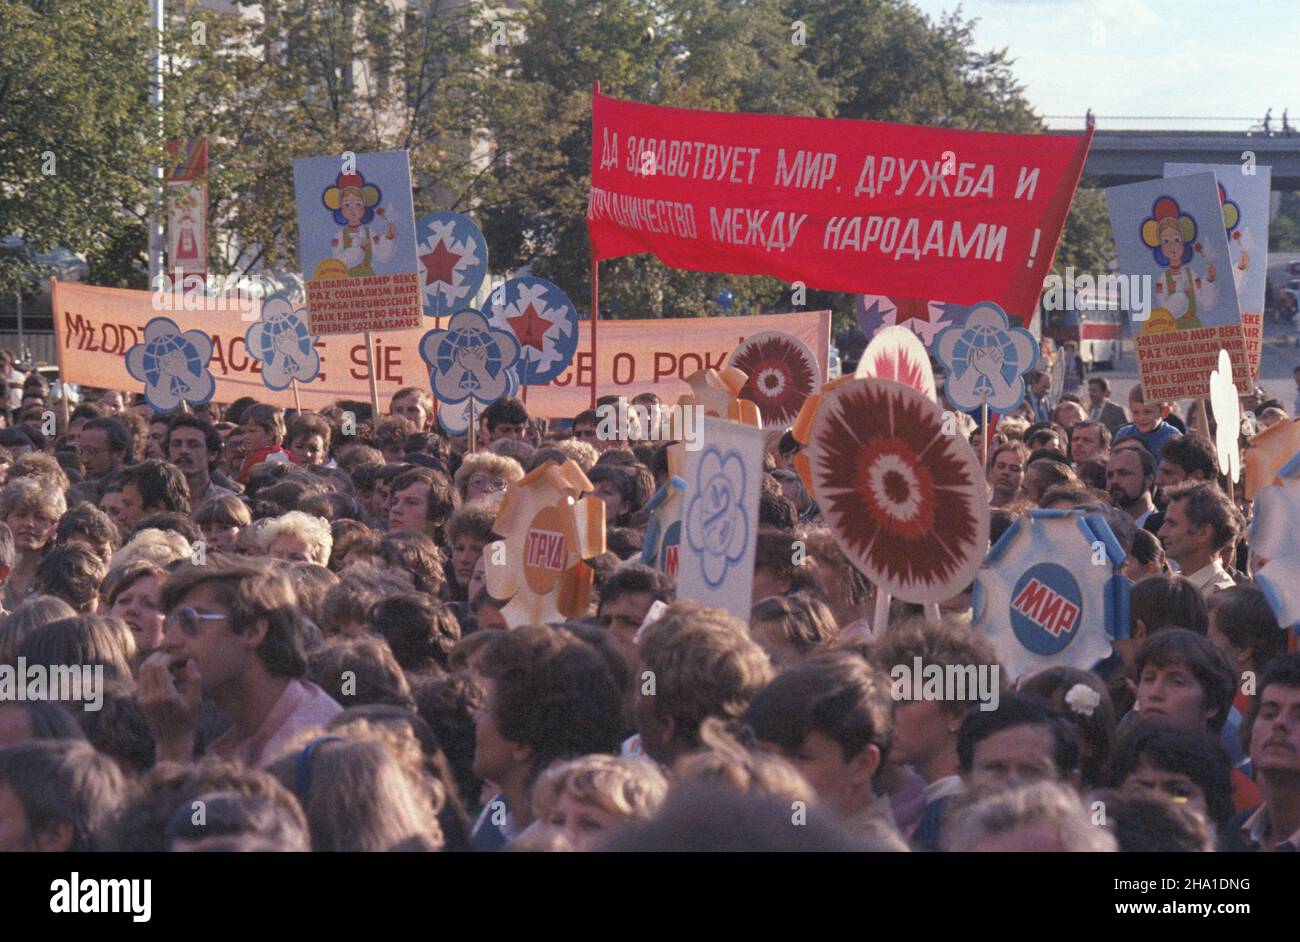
(470, 358)
(281, 341)
(716, 525)
(172, 365)
(984, 359)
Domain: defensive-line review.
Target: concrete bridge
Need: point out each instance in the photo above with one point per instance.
(1127, 156)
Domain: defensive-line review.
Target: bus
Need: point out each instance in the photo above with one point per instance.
(1099, 331)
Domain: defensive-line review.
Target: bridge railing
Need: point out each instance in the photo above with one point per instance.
(1241, 125)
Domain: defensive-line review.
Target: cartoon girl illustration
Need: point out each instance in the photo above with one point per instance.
(1179, 294)
(357, 245)
(1238, 238)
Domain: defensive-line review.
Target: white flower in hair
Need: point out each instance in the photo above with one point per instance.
(1082, 699)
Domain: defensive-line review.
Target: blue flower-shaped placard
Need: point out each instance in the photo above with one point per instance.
(985, 358)
(281, 341)
(172, 365)
(717, 526)
(470, 358)
(544, 321)
(453, 262)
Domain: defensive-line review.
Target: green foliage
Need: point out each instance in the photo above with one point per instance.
(1086, 242)
(74, 80)
(492, 103)
(1284, 231)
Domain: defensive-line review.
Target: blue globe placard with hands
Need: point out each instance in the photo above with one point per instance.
(985, 359)
(173, 365)
(283, 344)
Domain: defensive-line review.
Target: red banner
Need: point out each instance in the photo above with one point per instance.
(187, 208)
(839, 205)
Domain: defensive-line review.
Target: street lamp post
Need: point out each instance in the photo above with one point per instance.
(156, 99)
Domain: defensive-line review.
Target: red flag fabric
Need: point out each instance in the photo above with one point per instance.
(839, 205)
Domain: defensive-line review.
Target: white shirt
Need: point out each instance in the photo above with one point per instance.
(1210, 579)
(15, 381)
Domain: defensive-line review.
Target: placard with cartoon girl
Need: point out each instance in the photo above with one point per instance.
(1244, 198)
(1171, 240)
(356, 228)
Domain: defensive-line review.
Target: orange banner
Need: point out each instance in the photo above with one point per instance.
(95, 327)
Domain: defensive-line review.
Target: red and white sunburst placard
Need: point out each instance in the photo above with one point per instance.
(895, 353)
(782, 372)
(906, 502)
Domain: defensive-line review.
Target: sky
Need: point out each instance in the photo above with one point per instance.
(1193, 58)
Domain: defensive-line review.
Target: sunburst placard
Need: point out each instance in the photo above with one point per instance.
(906, 502)
(782, 373)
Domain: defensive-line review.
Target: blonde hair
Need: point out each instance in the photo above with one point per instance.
(160, 547)
(1013, 427)
(577, 451)
(314, 531)
(1005, 810)
(488, 462)
(630, 788)
(33, 494)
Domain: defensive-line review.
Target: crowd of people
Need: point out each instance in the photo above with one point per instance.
(299, 650)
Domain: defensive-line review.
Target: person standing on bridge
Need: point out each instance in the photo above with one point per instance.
(1268, 119)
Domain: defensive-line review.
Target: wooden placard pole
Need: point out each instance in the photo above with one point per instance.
(984, 433)
(880, 617)
(374, 382)
(58, 352)
(473, 428)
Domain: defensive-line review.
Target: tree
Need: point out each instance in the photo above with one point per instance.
(870, 59)
(1086, 243)
(77, 135)
(319, 78)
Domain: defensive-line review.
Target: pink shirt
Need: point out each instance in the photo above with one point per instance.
(302, 706)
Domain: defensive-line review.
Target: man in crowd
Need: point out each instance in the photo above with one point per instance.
(194, 446)
(413, 404)
(548, 696)
(1200, 522)
(1274, 735)
(1101, 408)
(1130, 476)
(104, 446)
(626, 599)
(233, 635)
(1186, 458)
(1089, 440)
(831, 717)
(422, 501)
(148, 487)
(58, 795)
(505, 418)
(1038, 386)
(1006, 472)
(697, 662)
